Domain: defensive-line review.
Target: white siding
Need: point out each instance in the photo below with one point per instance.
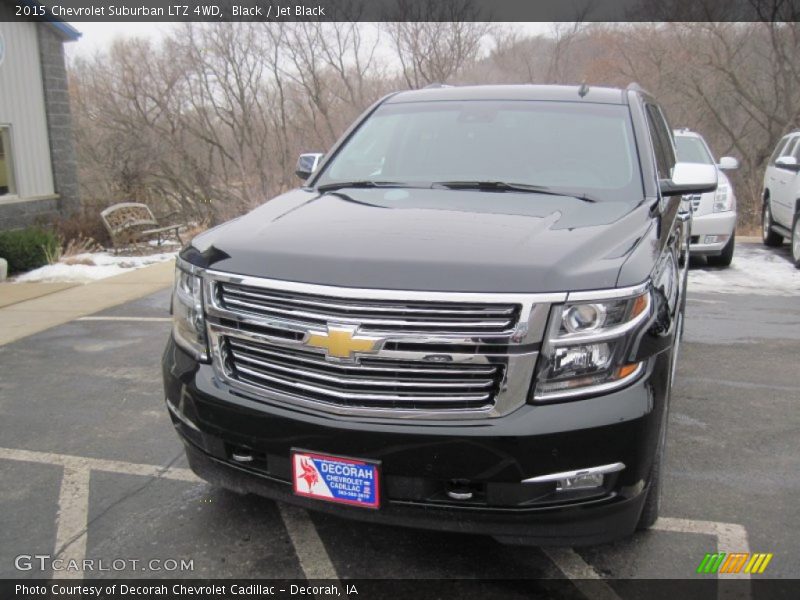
(22, 107)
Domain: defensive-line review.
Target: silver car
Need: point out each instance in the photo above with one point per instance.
(714, 213)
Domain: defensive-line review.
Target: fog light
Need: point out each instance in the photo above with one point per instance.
(581, 479)
(714, 239)
(584, 481)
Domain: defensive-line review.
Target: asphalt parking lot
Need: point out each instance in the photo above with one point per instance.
(90, 466)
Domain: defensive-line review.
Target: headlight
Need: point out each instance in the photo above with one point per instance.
(723, 198)
(587, 346)
(188, 323)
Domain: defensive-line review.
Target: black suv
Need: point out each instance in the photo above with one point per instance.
(467, 319)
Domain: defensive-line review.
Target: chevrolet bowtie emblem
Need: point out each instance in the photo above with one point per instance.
(341, 341)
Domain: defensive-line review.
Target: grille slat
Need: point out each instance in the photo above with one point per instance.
(357, 381)
(397, 384)
(354, 397)
(428, 317)
(378, 366)
(332, 305)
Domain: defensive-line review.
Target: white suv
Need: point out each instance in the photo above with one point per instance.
(780, 215)
(714, 213)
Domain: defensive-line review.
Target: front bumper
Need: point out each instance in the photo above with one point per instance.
(421, 461)
(719, 224)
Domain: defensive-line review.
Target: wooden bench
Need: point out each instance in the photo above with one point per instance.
(131, 223)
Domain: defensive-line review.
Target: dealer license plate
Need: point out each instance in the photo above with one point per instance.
(336, 478)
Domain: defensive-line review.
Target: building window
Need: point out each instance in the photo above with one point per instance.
(6, 165)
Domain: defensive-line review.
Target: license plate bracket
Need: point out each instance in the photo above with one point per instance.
(338, 479)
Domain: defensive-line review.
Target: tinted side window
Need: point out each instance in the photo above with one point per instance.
(662, 142)
(787, 151)
(778, 149)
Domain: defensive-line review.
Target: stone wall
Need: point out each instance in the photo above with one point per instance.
(59, 119)
(22, 213)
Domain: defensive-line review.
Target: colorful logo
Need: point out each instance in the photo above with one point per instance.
(342, 342)
(735, 562)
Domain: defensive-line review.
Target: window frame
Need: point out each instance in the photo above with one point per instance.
(6, 143)
(658, 128)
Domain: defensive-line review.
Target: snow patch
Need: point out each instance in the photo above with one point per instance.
(105, 265)
(754, 270)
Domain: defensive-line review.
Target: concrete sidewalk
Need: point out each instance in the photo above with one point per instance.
(26, 309)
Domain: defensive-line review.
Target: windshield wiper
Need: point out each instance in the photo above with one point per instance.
(503, 186)
(365, 183)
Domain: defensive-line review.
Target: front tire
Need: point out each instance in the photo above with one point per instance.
(724, 259)
(769, 237)
(652, 502)
(796, 241)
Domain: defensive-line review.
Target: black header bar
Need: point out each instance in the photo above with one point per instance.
(402, 10)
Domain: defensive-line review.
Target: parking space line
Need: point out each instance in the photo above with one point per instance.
(73, 517)
(311, 552)
(99, 464)
(731, 538)
(314, 558)
(583, 576)
(135, 319)
(74, 508)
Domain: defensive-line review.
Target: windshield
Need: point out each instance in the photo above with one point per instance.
(580, 148)
(692, 150)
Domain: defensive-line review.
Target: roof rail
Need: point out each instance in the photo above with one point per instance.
(431, 86)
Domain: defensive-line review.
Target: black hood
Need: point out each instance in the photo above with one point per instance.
(430, 239)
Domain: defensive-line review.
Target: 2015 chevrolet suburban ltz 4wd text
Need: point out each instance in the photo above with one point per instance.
(467, 319)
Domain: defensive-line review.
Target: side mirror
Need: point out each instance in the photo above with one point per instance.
(690, 178)
(788, 162)
(728, 163)
(307, 164)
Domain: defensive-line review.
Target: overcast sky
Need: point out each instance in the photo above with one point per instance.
(98, 36)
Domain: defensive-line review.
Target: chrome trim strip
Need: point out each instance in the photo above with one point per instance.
(300, 314)
(604, 469)
(475, 383)
(379, 294)
(360, 395)
(608, 294)
(180, 416)
(478, 311)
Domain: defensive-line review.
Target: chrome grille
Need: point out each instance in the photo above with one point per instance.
(438, 355)
(373, 383)
(374, 315)
(695, 199)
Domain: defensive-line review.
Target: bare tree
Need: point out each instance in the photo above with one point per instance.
(435, 39)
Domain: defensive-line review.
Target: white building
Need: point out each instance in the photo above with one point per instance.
(38, 175)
